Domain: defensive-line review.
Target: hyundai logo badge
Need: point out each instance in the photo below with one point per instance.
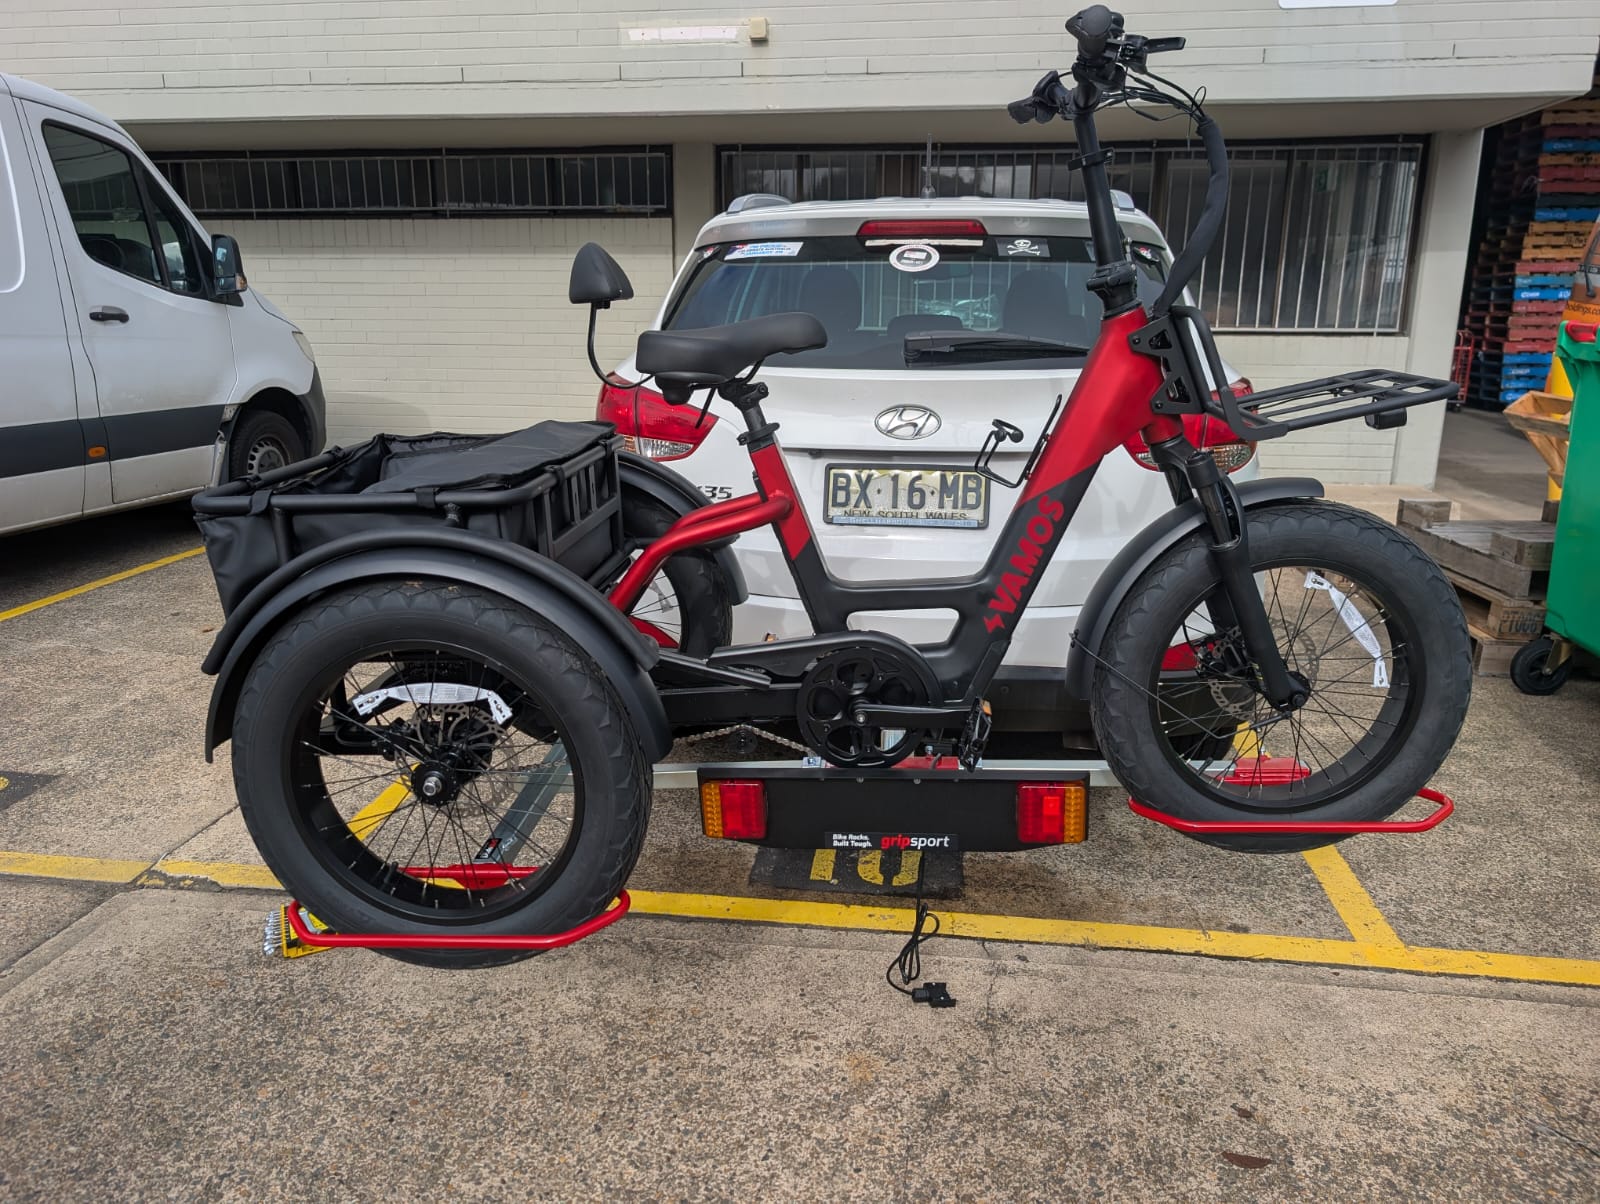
(908, 422)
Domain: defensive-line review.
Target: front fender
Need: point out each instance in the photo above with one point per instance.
(586, 618)
(1142, 551)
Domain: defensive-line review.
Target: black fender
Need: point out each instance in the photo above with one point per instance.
(1143, 550)
(515, 573)
(679, 494)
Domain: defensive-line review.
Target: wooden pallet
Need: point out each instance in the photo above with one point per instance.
(1495, 616)
(1491, 657)
(1513, 559)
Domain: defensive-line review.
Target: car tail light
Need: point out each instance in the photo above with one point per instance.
(1051, 812)
(1229, 451)
(961, 232)
(733, 810)
(648, 425)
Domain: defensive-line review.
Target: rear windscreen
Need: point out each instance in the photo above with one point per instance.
(870, 297)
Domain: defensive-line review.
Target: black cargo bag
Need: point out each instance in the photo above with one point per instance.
(552, 488)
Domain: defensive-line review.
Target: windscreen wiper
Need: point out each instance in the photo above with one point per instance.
(948, 345)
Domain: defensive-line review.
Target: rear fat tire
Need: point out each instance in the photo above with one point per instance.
(601, 743)
(705, 595)
(1417, 594)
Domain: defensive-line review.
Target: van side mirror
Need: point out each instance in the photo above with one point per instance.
(597, 279)
(227, 268)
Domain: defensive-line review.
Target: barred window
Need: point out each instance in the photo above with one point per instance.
(1318, 234)
(635, 181)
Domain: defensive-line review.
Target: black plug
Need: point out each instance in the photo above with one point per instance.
(934, 994)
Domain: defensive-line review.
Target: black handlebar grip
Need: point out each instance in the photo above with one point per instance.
(1094, 27)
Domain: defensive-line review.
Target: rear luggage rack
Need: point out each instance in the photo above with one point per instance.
(1380, 396)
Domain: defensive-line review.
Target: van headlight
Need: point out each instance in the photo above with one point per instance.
(305, 345)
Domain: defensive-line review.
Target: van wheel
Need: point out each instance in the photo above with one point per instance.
(262, 441)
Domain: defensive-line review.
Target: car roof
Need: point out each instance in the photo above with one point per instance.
(761, 217)
(26, 89)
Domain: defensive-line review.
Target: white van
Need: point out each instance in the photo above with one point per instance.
(135, 364)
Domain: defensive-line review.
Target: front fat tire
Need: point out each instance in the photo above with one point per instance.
(1293, 533)
(601, 744)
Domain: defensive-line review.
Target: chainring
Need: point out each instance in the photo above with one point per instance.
(845, 679)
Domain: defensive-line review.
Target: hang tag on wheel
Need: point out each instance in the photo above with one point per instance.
(1358, 627)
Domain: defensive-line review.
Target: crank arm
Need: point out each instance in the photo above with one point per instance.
(879, 715)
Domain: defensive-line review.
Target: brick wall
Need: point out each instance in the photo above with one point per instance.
(1346, 452)
(388, 57)
(452, 325)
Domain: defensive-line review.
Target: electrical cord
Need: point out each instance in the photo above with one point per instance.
(909, 960)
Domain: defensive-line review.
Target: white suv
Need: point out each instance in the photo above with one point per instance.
(873, 425)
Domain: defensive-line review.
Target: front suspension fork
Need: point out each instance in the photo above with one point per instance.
(1238, 603)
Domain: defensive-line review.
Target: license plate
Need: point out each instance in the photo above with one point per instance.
(864, 495)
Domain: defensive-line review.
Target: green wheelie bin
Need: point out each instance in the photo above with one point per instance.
(1573, 600)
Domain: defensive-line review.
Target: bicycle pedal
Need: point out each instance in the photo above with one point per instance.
(975, 735)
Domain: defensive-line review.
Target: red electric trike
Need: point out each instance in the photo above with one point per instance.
(443, 719)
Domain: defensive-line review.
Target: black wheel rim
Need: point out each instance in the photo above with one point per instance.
(1339, 633)
(434, 782)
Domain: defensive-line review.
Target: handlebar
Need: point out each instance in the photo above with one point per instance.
(1106, 55)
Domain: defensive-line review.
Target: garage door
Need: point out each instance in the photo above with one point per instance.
(433, 284)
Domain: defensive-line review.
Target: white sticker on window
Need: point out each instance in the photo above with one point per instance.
(763, 250)
(914, 257)
(433, 693)
(1358, 627)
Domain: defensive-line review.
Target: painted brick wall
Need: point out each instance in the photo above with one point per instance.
(265, 57)
(452, 325)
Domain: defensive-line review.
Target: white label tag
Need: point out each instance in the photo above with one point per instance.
(763, 250)
(433, 693)
(1359, 627)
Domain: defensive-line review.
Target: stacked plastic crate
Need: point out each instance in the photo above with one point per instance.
(1544, 197)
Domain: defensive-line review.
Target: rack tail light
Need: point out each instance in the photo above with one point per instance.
(1052, 812)
(648, 425)
(733, 810)
(1229, 451)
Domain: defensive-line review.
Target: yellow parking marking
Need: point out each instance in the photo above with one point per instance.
(1350, 899)
(1384, 954)
(78, 869)
(28, 607)
(822, 865)
(370, 818)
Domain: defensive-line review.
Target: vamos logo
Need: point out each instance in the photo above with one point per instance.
(884, 841)
(1041, 531)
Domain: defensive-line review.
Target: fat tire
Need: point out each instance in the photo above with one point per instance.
(705, 594)
(1308, 533)
(602, 745)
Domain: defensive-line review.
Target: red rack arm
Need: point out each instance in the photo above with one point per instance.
(1290, 828)
(389, 940)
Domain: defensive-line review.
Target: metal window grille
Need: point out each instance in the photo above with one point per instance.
(1318, 234)
(636, 181)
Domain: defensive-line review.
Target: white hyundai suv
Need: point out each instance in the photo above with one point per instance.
(869, 425)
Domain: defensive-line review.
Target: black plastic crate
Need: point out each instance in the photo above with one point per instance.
(552, 488)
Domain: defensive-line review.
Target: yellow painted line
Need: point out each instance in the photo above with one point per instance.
(223, 873)
(972, 925)
(78, 869)
(822, 865)
(371, 816)
(74, 592)
(1350, 899)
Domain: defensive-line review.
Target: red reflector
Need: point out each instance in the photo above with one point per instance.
(740, 807)
(1180, 658)
(1050, 812)
(965, 228)
(651, 426)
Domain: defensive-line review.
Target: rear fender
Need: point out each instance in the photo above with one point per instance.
(1143, 550)
(678, 494)
(620, 653)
